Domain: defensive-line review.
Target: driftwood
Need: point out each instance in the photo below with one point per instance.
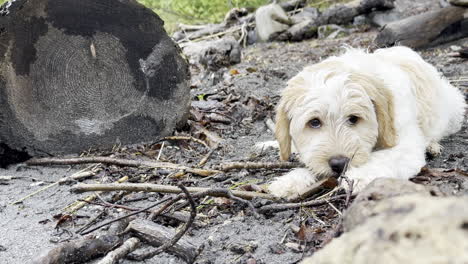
(79, 251)
(426, 29)
(345, 13)
(157, 235)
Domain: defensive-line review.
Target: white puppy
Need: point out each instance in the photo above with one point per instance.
(365, 115)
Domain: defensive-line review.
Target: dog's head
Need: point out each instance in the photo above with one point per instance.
(335, 116)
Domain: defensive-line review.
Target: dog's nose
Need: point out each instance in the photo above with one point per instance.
(338, 163)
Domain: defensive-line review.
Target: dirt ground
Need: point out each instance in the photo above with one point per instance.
(232, 116)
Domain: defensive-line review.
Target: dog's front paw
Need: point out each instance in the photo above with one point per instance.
(293, 184)
(355, 177)
(434, 148)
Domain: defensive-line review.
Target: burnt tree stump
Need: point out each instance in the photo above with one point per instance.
(84, 74)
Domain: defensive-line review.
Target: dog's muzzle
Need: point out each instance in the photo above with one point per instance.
(338, 164)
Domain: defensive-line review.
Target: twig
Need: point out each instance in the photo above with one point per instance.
(334, 208)
(110, 205)
(160, 151)
(119, 253)
(287, 206)
(76, 176)
(315, 188)
(257, 165)
(147, 187)
(230, 30)
(173, 241)
(349, 190)
(72, 208)
(228, 194)
(92, 221)
(204, 160)
(121, 162)
(186, 27)
(164, 207)
(125, 216)
(186, 138)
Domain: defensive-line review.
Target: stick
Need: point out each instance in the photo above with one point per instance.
(158, 235)
(286, 206)
(79, 251)
(120, 162)
(147, 187)
(257, 165)
(76, 176)
(72, 208)
(186, 138)
(119, 253)
(205, 159)
(125, 216)
(315, 188)
(227, 193)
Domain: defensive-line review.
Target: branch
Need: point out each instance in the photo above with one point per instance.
(148, 187)
(281, 207)
(119, 253)
(257, 165)
(120, 162)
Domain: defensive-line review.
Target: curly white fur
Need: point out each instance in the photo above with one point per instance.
(402, 104)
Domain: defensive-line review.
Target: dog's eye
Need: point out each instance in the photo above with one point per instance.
(315, 123)
(352, 119)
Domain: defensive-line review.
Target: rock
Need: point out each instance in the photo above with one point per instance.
(303, 30)
(364, 206)
(307, 14)
(270, 20)
(459, 2)
(75, 76)
(443, 3)
(412, 227)
(213, 55)
(360, 20)
(331, 31)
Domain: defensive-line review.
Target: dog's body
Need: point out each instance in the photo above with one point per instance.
(365, 115)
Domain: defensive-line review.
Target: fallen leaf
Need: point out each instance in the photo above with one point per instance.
(234, 72)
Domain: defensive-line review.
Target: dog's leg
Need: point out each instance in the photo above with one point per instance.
(292, 184)
(402, 161)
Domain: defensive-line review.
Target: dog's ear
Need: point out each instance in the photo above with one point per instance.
(282, 130)
(290, 97)
(383, 102)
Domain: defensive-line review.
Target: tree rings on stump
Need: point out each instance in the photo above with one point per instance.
(84, 74)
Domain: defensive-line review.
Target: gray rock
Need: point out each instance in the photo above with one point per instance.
(303, 30)
(87, 80)
(412, 227)
(364, 206)
(213, 55)
(459, 2)
(360, 20)
(308, 13)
